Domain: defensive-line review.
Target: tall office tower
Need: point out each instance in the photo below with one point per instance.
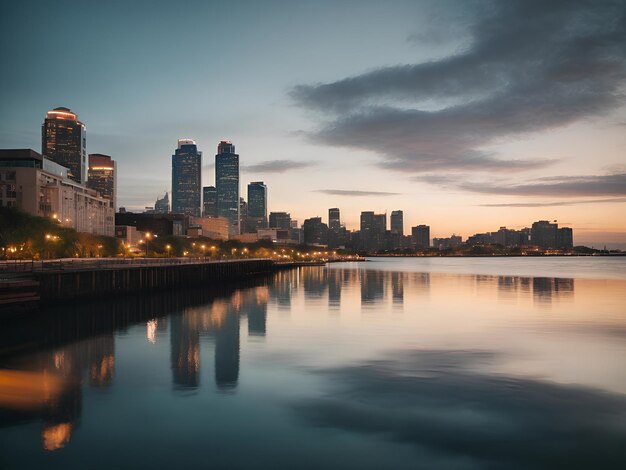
(209, 201)
(420, 236)
(102, 176)
(257, 206)
(397, 223)
(280, 220)
(336, 233)
(227, 185)
(373, 228)
(186, 178)
(334, 222)
(64, 141)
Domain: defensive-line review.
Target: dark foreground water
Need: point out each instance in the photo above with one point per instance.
(393, 363)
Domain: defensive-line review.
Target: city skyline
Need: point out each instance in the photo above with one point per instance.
(313, 125)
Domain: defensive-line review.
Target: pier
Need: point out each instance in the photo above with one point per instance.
(26, 282)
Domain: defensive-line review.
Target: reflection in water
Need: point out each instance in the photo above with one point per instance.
(335, 282)
(185, 349)
(49, 386)
(397, 288)
(372, 287)
(447, 402)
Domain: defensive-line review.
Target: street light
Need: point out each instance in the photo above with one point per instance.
(148, 237)
(168, 248)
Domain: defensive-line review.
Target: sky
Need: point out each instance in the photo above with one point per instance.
(467, 115)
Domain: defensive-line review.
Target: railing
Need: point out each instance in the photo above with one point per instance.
(75, 264)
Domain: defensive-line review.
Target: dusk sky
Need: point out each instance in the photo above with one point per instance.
(467, 115)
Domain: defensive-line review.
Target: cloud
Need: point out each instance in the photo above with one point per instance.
(556, 204)
(564, 186)
(450, 406)
(349, 192)
(278, 166)
(532, 66)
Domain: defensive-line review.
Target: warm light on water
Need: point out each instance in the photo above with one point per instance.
(393, 363)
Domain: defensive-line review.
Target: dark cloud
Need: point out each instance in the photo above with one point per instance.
(556, 204)
(449, 403)
(349, 192)
(564, 186)
(532, 66)
(279, 166)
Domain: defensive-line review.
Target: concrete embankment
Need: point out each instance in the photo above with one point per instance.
(68, 285)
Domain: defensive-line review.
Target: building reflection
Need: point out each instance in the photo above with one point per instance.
(315, 282)
(282, 286)
(48, 386)
(185, 349)
(542, 289)
(335, 282)
(397, 288)
(372, 287)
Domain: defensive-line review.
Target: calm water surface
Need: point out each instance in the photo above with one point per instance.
(394, 363)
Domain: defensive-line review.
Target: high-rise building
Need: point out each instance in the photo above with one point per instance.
(548, 235)
(315, 231)
(544, 234)
(64, 141)
(420, 237)
(209, 201)
(102, 176)
(257, 206)
(336, 233)
(373, 231)
(280, 220)
(186, 178)
(334, 221)
(397, 223)
(227, 184)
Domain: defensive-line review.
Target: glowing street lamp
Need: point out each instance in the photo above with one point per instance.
(148, 237)
(168, 248)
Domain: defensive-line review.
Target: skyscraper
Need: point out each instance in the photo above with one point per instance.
(227, 185)
(420, 237)
(102, 176)
(373, 231)
(257, 206)
(209, 201)
(397, 223)
(334, 222)
(64, 141)
(186, 178)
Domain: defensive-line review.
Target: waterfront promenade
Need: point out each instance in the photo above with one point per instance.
(28, 283)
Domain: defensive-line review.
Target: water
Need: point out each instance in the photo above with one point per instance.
(395, 363)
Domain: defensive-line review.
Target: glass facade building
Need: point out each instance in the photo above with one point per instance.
(257, 206)
(397, 223)
(64, 141)
(209, 201)
(102, 176)
(227, 185)
(186, 178)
